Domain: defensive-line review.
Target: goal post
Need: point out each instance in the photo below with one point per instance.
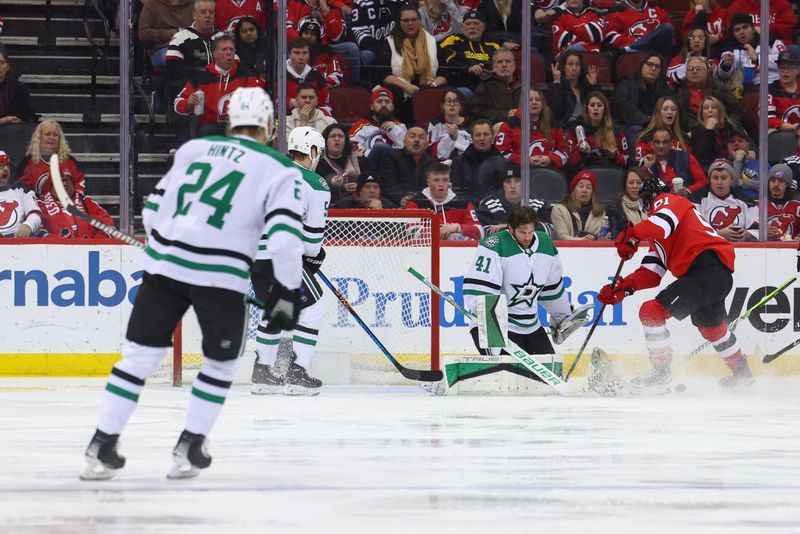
(368, 253)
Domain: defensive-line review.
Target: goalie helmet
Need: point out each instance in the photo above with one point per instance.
(651, 188)
(303, 139)
(251, 106)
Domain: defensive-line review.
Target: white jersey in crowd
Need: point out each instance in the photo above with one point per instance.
(17, 206)
(728, 211)
(315, 198)
(523, 276)
(206, 215)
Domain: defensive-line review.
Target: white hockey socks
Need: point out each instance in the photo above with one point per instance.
(125, 383)
(209, 392)
(306, 332)
(267, 345)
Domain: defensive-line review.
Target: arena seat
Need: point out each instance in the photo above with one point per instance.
(628, 63)
(427, 103)
(781, 145)
(350, 104)
(548, 184)
(608, 182)
(538, 68)
(749, 105)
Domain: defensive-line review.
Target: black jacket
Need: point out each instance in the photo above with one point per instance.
(634, 100)
(466, 172)
(562, 101)
(494, 209)
(712, 89)
(15, 100)
(401, 174)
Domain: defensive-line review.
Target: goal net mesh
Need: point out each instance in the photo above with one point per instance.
(368, 253)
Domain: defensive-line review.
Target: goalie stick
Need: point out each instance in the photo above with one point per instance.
(742, 317)
(547, 376)
(411, 374)
(72, 209)
(770, 357)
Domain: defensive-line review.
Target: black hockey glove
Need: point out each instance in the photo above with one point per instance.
(798, 259)
(313, 264)
(282, 307)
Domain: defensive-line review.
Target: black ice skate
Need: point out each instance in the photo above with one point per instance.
(266, 381)
(102, 457)
(190, 456)
(739, 378)
(298, 382)
(657, 378)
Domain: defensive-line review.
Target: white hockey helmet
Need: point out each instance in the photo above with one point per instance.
(302, 139)
(251, 106)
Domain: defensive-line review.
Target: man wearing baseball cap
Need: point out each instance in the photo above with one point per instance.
(784, 100)
(729, 213)
(382, 129)
(367, 195)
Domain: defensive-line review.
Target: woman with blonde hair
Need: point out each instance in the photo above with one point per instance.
(666, 114)
(710, 137)
(579, 215)
(593, 140)
(34, 170)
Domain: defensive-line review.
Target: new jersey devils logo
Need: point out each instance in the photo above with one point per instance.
(537, 147)
(643, 27)
(792, 115)
(8, 214)
(724, 216)
(783, 222)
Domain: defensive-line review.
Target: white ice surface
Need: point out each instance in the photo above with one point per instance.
(386, 460)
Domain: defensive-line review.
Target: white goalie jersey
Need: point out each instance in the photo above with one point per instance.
(524, 277)
(206, 215)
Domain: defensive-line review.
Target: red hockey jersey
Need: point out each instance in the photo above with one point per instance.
(509, 143)
(571, 147)
(634, 23)
(218, 88)
(585, 28)
(783, 220)
(717, 22)
(297, 12)
(60, 223)
(37, 175)
(782, 19)
(678, 234)
(782, 106)
(228, 12)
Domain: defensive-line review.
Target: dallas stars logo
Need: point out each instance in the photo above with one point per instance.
(525, 293)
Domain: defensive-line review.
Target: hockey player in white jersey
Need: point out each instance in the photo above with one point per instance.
(523, 265)
(305, 147)
(203, 222)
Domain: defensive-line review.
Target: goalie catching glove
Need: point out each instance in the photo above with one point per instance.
(560, 329)
(282, 307)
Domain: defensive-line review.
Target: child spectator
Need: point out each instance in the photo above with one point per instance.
(447, 134)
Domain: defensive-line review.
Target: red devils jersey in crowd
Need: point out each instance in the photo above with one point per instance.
(782, 106)
(571, 147)
(585, 28)
(294, 79)
(509, 143)
(452, 210)
(37, 175)
(329, 65)
(60, 223)
(218, 88)
(297, 12)
(724, 212)
(17, 206)
(645, 147)
(634, 23)
(782, 19)
(716, 22)
(784, 218)
(678, 234)
(228, 12)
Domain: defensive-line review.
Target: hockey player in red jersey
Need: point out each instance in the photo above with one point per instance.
(684, 244)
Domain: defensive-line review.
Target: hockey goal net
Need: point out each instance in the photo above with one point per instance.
(368, 254)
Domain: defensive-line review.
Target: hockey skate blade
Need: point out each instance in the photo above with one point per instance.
(266, 389)
(294, 390)
(435, 389)
(651, 391)
(95, 470)
(183, 468)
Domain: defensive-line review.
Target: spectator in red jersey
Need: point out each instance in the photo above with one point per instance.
(381, 130)
(159, 21)
(457, 219)
(447, 134)
(544, 147)
(572, 83)
(708, 16)
(698, 85)
(710, 137)
(635, 99)
(579, 215)
(593, 140)
(578, 27)
(728, 213)
(324, 59)
(60, 223)
(782, 20)
(220, 79)
(228, 13)
(784, 96)
(340, 165)
(783, 212)
(20, 215)
(252, 47)
(642, 26)
(15, 105)
(665, 115)
(696, 44)
(298, 70)
(668, 164)
(34, 170)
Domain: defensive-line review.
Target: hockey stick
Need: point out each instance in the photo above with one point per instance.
(735, 323)
(72, 209)
(769, 357)
(594, 325)
(547, 376)
(411, 374)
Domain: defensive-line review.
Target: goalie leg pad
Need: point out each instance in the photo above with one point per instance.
(492, 314)
(562, 329)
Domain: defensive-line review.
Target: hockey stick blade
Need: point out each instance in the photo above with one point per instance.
(411, 374)
(771, 357)
(529, 361)
(72, 209)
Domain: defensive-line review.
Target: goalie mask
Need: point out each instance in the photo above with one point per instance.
(302, 140)
(251, 106)
(651, 188)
